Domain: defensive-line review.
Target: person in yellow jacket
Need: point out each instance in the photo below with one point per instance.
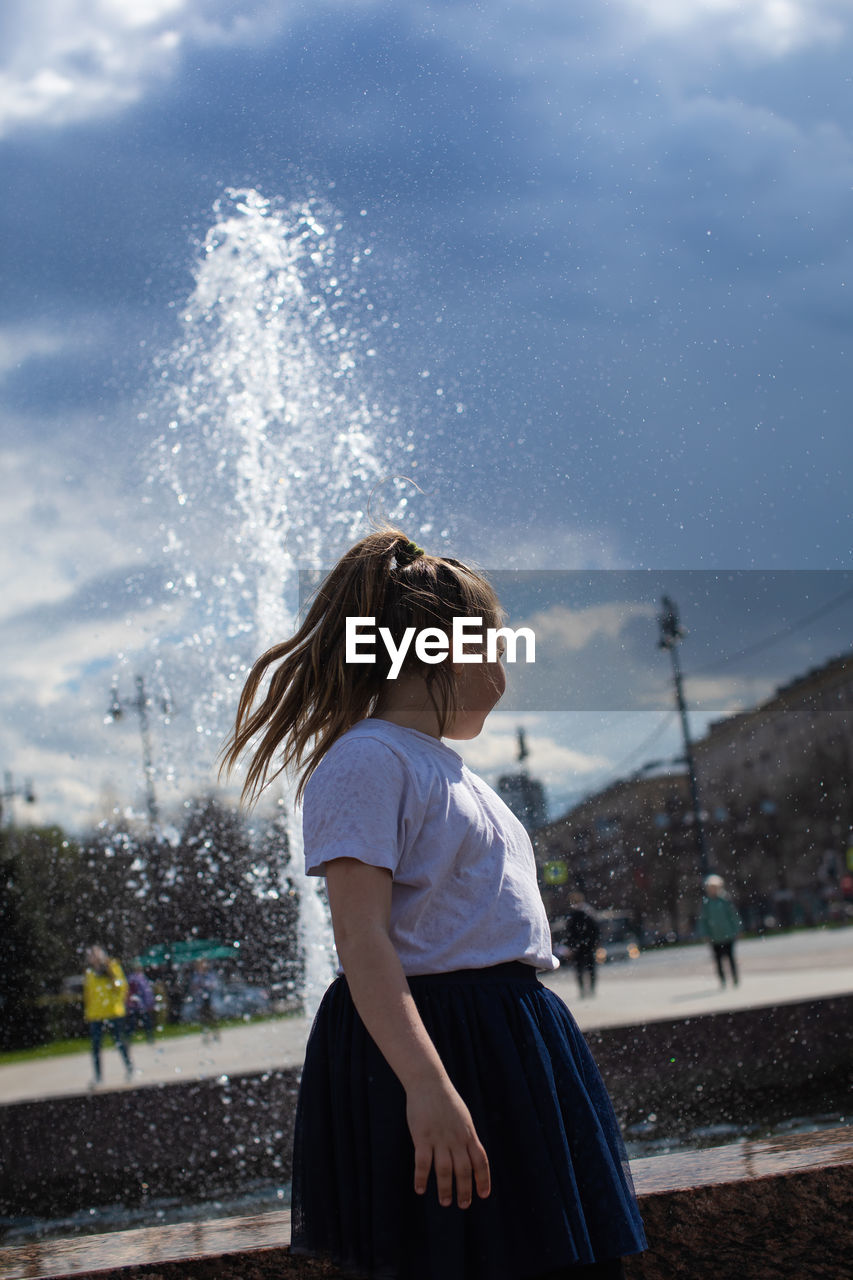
(105, 1005)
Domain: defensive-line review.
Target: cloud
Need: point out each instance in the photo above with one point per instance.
(75, 758)
(51, 366)
(562, 629)
(769, 27)
(20, 343)
(543, 182)
(569, 546)
(767, 193)
(73, 60)
(68, 61)
(495, 750)
(726, 695)
(78, 594)
(125, 589)
(711, 695)
(53, 666)
(63, 529)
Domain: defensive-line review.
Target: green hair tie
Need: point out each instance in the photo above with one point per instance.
(406, 552)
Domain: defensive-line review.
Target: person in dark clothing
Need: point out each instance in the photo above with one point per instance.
(141, 1002)
(204, 987)
(581, 938)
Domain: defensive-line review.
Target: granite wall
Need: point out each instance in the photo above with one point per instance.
(194, 1138)
(204, 1136)
(739, 1067)
(772, 1210)
(788, 1227)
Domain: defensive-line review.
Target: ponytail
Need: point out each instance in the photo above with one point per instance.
(314, 695)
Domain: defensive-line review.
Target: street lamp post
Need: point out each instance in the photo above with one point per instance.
(10, 792)
(140, 704)
(671, 633)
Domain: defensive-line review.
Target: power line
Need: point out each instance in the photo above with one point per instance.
(617, 770)
(760, 645)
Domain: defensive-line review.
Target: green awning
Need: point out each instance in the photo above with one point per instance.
(187, 952)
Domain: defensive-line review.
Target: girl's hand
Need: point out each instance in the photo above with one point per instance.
(439, 1122)
(445, 1139)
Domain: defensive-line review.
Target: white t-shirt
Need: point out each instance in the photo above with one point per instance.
(464, 892)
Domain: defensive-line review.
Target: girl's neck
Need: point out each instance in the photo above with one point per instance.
(406, 702)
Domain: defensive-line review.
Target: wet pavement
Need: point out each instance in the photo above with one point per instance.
(671, 983)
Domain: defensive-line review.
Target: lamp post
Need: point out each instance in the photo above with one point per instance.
(141, 704)
(671, 633)
(10, 791)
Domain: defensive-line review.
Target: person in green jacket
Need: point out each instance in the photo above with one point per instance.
(105, 1005)
(720, 923)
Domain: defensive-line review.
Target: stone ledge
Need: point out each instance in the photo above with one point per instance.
(197, 1137)
(772, 1210)
(784, 1227)
(734, 1066)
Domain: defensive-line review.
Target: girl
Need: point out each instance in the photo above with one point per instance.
(451, 1123)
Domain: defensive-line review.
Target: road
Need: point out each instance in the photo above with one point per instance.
(676, 982)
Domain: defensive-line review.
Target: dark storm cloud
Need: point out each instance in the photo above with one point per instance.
(591, 199)
(502, 167)
(390, 116)
(622, 261)
(93, 218)
(364, 110)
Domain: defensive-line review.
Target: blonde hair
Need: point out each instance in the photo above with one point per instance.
(97, 958)
(314, 695)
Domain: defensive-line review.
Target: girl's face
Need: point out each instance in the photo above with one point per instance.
(479, 688)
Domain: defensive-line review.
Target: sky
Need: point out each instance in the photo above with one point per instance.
(581, 273)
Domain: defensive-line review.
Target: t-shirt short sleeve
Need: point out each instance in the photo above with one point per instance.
(354, 806)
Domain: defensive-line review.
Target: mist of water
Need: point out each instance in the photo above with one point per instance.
(273, 444)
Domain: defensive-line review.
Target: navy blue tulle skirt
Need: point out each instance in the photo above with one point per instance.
(561, 1195)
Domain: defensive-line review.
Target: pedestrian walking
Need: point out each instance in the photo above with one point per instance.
(204, 987)
(581, 938)
(720, 924)
(451, 1122)
(104, 1007)
(141, 1002)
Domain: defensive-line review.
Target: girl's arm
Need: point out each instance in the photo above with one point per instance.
(439, 1121)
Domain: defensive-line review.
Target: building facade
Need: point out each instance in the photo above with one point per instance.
(776, 796)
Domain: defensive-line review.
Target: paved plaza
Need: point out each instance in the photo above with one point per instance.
(676, 982)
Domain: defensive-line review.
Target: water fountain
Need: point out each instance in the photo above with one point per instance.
(272, 447)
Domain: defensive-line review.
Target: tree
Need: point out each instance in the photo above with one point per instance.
(128, 891)
(226, 881)
(275, 947)
(21, 1023)
(58, 897)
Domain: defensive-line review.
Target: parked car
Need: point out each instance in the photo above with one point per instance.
(618, 940)
(230, 1000)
